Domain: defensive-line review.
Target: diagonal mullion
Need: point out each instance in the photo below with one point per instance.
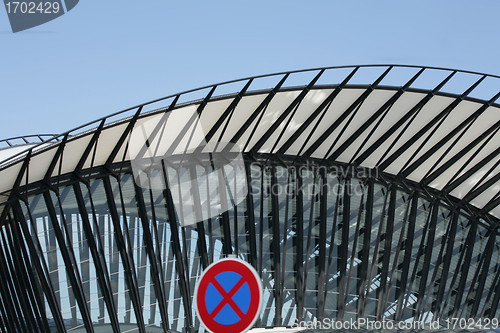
(14, 277)
(322, 109)
(309, 234)
(174, 230)
(228, 113)
(299, 244)
(158, 259)
(275, 247)
(123, 137)
(380, 113)
(344, 128)
(286, 236)
(194, 119)
(479, 189)
(365, 252)
(16, 264)
(466, 124)
(424, 287)
(250, 218)
(224, 212)
(389, 228)
(369, 135)
(127, 264)
(374, 261)
(344, 115)
(209, 219)
(483, 275)
(38, 301)
(491, 204)
(323, 206)
(205, 101)
(5, 313)
(435, 272)
(488, 134)
(346, 218)
(89, 147)
(9, 276)
(410, 114)
(447, 151)
(15, 187)
(452, 185)
(450, 241)
(153, 260)
(100, 266)
(354, 244)
(10, 300)
(290, 110)
(70, 262)
(496, 298)
(160, 125)
(396, 257)
(257, 111)
(57, 157)
(40, 266)
(136, 298)
(254, 129)
(431, 126)
(405, 267)
(195, 188)
(456, 272)
(10, 316)
(3, 324)
(416, 265)
(464, 271)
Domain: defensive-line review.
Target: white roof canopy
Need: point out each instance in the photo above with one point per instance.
(410, 127)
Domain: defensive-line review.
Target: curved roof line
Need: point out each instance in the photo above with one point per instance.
(28, 139)
(445, 141)
(94, 122)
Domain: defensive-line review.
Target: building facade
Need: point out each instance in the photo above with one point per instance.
(356, 192)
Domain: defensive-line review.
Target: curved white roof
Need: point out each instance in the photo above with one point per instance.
(416, 130)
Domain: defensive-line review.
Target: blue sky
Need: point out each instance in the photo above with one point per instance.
(108, 55)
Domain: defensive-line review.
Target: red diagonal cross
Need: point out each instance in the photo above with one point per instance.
(227, 298)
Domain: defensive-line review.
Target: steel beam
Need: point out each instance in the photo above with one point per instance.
(177, 252)
(290, 110)
(386, 258)
(412, 113)
(275, 247)
(70, 262)
(343, 248)
(299, 244)
(380, 113)
(98, 258)
(344, 115)
(122, 138)
(258, 111)
(322, 109)
(127, 263)
(40, 268)
(153, 258)
(365, 252)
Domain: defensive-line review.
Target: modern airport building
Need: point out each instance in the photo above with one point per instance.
(356, 192)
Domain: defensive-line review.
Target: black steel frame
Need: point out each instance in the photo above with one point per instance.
(23, 301)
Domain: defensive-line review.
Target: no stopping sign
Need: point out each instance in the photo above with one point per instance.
(228, 296)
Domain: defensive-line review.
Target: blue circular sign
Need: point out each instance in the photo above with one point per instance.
(228, 296)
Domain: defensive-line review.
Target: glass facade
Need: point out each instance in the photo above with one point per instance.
(330, 241)
(355, 192)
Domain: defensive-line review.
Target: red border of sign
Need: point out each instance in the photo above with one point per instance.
(244, 269)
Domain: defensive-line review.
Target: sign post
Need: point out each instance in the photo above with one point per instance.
(228, 296)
